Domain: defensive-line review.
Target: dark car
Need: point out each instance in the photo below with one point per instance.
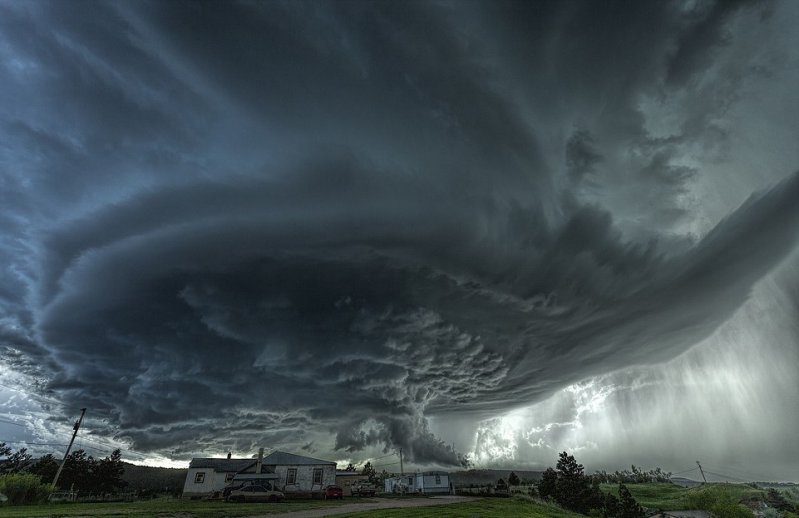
(332, 492)
(255, 494)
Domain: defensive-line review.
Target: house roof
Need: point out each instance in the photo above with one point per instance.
(222, 465)
(344, 473)
(281, 458)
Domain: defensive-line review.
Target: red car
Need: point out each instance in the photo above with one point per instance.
(332, 492)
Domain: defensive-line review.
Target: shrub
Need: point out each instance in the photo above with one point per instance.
(720, 501)
(23, 488)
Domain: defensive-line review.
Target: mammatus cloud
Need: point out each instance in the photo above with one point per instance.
(323, 228)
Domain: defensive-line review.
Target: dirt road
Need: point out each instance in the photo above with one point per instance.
(378, 503)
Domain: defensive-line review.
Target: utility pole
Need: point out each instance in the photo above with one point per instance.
(702, 472)
(76, 428)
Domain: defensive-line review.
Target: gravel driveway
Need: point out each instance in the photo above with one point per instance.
(377, 503)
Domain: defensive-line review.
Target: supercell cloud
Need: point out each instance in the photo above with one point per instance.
(331, 227)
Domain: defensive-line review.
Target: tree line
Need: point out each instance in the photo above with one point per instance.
(634, 475)
(572, 489)
(81, 472)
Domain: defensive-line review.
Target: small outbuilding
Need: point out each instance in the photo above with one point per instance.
(427, 482)
(346, 479)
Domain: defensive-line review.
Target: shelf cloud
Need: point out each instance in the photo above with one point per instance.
(318, 227)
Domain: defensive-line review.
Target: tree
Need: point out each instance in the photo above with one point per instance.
(573, 489)
(16, 461)
(611, 507)
(628, 507)
(548, 484)
(513, 479)
(77, 472)
(107, 473)
(46, 467)
(369, 471)
(381, 477)
(572, 484)
(502, 485)
(350, 468)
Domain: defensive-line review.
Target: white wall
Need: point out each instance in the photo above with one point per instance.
(213, 482)
(427, 483)
(304, 480)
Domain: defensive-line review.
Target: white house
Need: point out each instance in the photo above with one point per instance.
(428, 482)
(207, 477)
(300, 475)
(292, 474)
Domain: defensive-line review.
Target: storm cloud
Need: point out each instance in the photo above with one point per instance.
(316, 225)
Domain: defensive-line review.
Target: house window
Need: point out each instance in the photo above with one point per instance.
(317, 475)
(291, 476)
(199, 477)
(410, 481)
(228, 477)
(438, 480)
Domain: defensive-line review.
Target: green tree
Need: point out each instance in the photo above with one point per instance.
(369, 471)
(77, 472)
(572, 485)
(628, 507)
(513, 479)
(15, 462)
(46, 467)
(350, 468)
(548, 484)
(611, 507)
(107, 473)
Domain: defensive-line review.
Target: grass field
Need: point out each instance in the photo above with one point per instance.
(722, 499)
(668, 497)
(484, 508)
(654, 496)
(164, 508)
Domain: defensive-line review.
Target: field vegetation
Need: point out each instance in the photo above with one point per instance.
(163, 508)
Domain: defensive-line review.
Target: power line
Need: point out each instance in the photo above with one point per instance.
(12, 422)
(385, 456)
(726, 476)
(33, 443)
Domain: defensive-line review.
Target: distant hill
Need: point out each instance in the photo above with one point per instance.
(155, 480)
(480, 477)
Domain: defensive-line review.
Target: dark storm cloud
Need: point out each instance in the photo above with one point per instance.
(256, 224)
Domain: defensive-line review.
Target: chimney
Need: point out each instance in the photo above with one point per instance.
(260, 458)
(228, 455)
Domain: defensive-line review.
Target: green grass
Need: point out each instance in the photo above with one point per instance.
(165, 508)
(483, 508)
(666, 496)
(721, 499)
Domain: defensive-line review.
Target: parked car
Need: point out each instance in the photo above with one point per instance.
(255, 493)
(332, 492)
(361, 489)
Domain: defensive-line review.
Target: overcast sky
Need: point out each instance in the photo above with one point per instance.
(486, 229)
